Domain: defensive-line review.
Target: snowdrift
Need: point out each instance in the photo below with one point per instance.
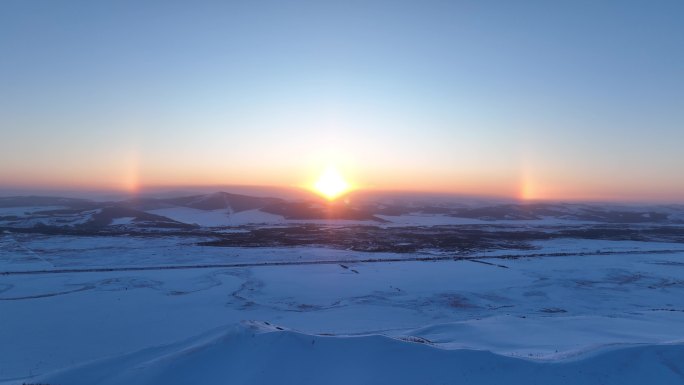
(259, 353)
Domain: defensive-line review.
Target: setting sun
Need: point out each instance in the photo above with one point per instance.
(331, 184)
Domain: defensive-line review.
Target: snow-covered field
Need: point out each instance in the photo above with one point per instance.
(256, 353)
(583, 319)
(220, 217)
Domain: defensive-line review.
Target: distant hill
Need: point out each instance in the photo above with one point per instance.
(219, 200)
(224, 209)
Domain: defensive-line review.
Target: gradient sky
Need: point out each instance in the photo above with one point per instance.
(532, 99)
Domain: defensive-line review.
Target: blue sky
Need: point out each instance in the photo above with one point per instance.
(537, 99)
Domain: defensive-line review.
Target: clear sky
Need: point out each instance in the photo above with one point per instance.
(531, 99)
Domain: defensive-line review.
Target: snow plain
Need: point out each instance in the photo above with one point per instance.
(220, 217)
(583, 319)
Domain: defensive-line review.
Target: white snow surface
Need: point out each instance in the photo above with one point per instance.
(221, 217)
(122, 221)
(256, 353)
(588, 319)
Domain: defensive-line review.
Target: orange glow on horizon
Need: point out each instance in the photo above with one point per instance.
(133, 175)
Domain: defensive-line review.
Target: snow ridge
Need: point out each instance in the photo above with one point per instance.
(262, 353)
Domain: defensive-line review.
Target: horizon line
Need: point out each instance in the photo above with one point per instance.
(24, 191)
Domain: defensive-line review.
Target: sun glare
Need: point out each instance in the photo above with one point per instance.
(331, 184)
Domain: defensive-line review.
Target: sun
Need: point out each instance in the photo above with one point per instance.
(331, 184)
